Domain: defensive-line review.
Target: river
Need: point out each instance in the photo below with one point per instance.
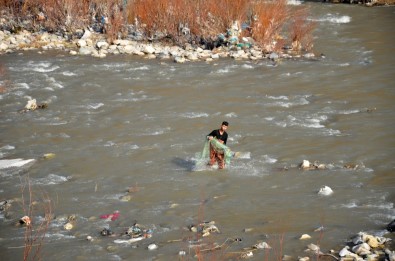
(124, 122)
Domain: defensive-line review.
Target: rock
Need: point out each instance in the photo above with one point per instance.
(361, 249)
(305, 164)
(68, 226)
(325, 191)
(390, 254)
(86, 50)
(371, 240)
(262, 245)
(3, 47)
(81, 43)
(306, 258)
(122, 42)
(305, 236)
(273, 56)
(31, 105)
(215, 56)
(345, 251)
(391, 226)
(152, 247)
(313, 247)
(87, 34)
(72, 52)
(192, 57)
(179, 59)
(247, 255)
(125, 198)
(151, 56)
(149, 49)
(102, 45)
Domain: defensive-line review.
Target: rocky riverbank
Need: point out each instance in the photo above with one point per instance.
(95, 44)
(364, 2)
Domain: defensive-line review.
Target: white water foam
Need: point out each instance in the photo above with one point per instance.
(67, 73)
(231, 115)
(22, 85)
(51, 179)
(287, 102)
(45, 70)
(336, 19)
(193, 115)
(95, 106)
(14, 163)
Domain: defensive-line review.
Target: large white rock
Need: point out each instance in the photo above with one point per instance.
(148, 49)
(179, 59)
(81, 43)
(3, 47)
(87, 34)
(86, 50)
(102, 45)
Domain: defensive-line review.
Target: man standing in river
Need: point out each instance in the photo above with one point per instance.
(222, 136)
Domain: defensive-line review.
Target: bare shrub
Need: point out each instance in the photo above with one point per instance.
(300, 30)
(267, 21)
(34, 231)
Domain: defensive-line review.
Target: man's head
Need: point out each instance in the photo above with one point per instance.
(224, 125)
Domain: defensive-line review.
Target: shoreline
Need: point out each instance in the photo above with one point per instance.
(94, 44)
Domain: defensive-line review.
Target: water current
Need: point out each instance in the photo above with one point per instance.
(124, 121)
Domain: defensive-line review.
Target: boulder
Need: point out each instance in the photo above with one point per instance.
(3, 47)
(179, 59)
(87, 34)
(391, 226)
(81, 43)
(102, 45)
(148, 49)
(86, 50)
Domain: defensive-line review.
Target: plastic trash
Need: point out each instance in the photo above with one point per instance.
(114, 216)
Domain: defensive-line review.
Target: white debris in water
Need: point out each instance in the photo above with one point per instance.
(325, 191)
(152, 246)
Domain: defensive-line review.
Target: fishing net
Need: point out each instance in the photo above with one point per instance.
(203, 157)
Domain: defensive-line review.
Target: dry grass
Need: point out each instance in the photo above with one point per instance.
(179, 20)
(300, 30)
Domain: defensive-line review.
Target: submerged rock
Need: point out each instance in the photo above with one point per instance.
(391, 226)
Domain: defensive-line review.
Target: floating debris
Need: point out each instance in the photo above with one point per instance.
(152, 246)
(114, 216)
(262, 245)
(325, 191)
(205, 228)
(49, 155)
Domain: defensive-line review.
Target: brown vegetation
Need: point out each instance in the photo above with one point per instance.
(178, 20)
(34, 230)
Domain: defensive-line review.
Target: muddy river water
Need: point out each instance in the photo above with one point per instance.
(124, 122)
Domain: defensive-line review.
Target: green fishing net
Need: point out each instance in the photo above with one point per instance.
(218, 147)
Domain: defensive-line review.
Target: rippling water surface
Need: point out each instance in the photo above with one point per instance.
(123, 122)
